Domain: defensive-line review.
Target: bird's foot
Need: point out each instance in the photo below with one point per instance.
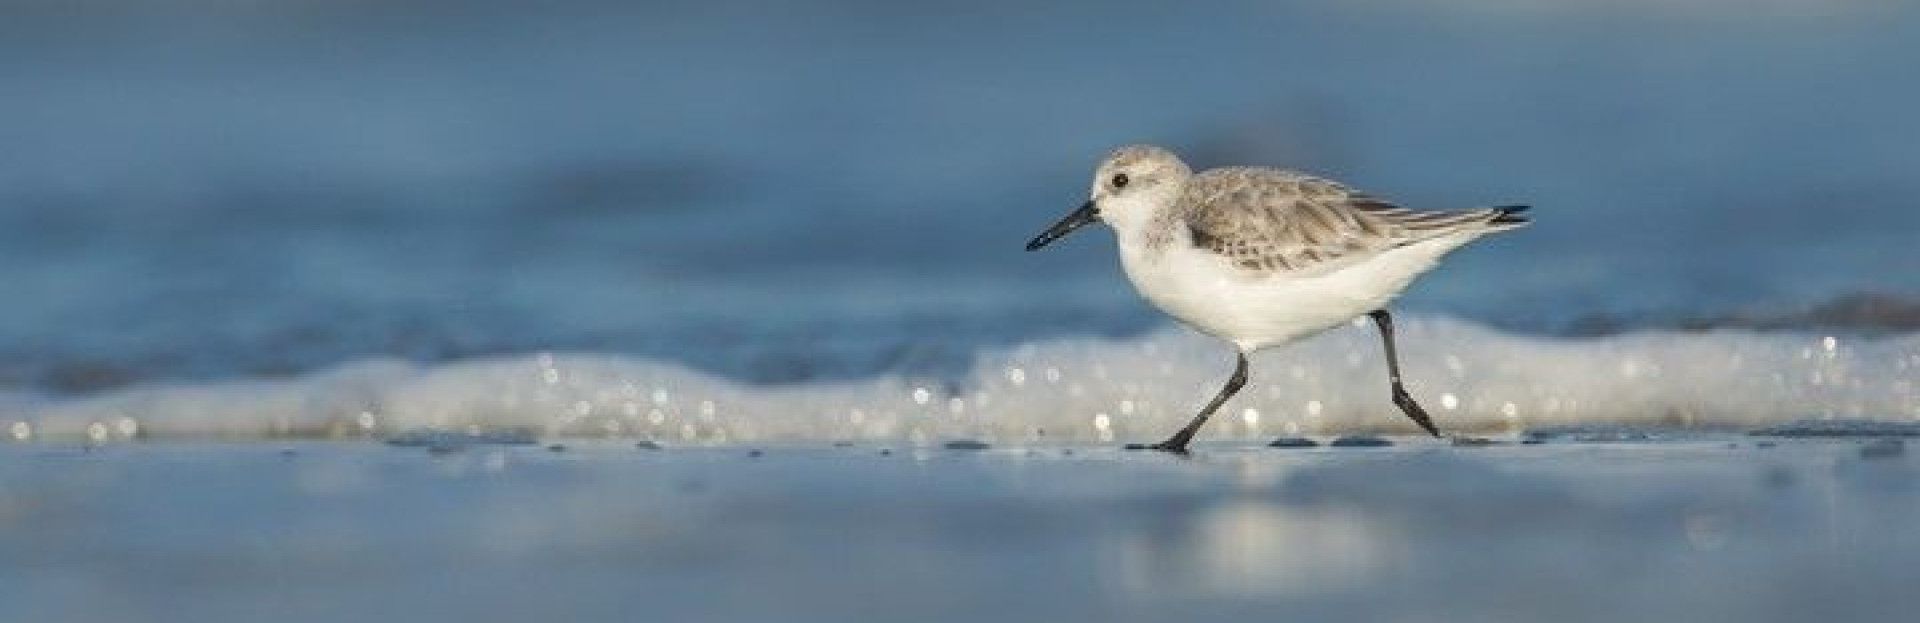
(1414, 412)
(1168, 446)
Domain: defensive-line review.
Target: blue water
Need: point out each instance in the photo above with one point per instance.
(816, 192)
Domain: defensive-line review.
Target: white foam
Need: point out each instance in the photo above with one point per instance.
(1070, 390)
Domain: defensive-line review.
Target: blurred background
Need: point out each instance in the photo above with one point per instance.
(751, 275)
(782, 192)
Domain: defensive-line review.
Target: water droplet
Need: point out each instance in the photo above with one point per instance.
(1313, 408)
(1251, 416)
(23, 431)
(1102, 422)
(921, 395)
(1449, 401)
(1017, 375)
(97, 432)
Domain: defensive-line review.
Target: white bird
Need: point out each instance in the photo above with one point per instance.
(1260, 257)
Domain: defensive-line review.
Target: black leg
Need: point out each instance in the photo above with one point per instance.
(1178, 442)
(1400, 396)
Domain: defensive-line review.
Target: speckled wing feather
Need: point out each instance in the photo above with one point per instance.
(1272, 221)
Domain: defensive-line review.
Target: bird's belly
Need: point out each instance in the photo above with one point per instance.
(1257, 312)
(1264, 314)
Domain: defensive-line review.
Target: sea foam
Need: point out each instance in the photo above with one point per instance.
(1069, 390)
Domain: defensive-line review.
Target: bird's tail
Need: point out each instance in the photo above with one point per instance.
(1502, 218)
(1497, 218)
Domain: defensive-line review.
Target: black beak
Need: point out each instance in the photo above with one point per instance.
(1079, 218)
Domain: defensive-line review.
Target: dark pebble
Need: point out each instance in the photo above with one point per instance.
(1765, 444)
(558, 447)
(646, 444)
(1293, 442)
(1840, 428)
(886, 452)
(1589, 434)
(755, 454)
(967, 444)
(843, 444)
(1883, 449)
(1474, 442)
(1360, 441)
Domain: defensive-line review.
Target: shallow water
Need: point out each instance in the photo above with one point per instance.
(1685, 526)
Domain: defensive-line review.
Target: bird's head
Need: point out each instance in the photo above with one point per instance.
(1128, 187)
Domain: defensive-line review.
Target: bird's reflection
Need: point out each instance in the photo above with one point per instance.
(1250, 546)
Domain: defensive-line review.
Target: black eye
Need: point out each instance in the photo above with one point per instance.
(1119, 180)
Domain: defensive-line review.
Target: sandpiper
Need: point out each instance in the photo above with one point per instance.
(1261, 257)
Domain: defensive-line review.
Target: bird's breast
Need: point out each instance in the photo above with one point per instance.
(1254, 311)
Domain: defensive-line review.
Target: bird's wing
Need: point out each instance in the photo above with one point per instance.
(1269, 221)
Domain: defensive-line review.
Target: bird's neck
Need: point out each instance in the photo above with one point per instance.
(1131, 216)
(1140, 224)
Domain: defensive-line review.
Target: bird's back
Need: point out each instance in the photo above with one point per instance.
(1274, 221)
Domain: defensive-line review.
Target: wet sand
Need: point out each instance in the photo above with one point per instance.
(1676, 527)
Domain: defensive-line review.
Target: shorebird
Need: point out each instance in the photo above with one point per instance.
(1261, 257)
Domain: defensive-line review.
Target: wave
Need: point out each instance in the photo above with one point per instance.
(1075, 390)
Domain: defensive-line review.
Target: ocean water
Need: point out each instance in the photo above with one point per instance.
(802, 222)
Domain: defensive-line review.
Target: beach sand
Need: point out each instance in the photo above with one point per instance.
(1677, 526)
